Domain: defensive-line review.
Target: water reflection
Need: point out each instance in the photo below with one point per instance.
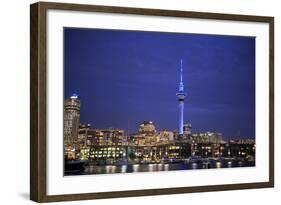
(136, 167)
(218, 164)
(229, 164)
(151, 167)
(166, 167)
(129, 168)
(124, 168)
(110, 169)
(194, 165)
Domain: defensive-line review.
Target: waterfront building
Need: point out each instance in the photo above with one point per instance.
(178, 150)
(107, 154)
(187, 129)
(242, 148)
(84, 135)
(186, 137)
(146, 135)
(96, 144)
(84, 154)
(69, 153)
(137, 140)
(206, 137)
(114, 137)
(164, 137)
(101, 137)
(147, 128)
(206, 144)
(242, 141)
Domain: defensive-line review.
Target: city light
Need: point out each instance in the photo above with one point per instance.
(114, 150)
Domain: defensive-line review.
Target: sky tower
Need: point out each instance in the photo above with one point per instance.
(181, 95)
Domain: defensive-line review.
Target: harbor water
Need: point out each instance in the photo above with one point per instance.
(132, 168)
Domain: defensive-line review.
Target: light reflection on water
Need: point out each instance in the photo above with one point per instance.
(194, 165)
(166, 167)
(229, 164)
(123, 168)
(136, 168)
(151, 167)
(218, 164)
(129, 168)
(110, 169)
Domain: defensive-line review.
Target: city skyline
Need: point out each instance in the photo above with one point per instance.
(133, 81)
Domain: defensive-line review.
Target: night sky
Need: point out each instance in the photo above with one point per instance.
(127, 77)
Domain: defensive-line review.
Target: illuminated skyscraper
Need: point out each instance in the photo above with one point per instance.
(181, 95)
(71, 120)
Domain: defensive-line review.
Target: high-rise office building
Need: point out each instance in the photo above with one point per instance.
(71, 120)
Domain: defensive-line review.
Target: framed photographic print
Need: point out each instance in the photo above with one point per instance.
(135, 102)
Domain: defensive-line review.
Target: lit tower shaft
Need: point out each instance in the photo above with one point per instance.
(181, 95)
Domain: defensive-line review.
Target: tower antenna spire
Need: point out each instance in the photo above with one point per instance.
(181, 85)
(181, 72)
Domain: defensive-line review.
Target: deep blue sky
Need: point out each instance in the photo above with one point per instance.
(133, 76)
